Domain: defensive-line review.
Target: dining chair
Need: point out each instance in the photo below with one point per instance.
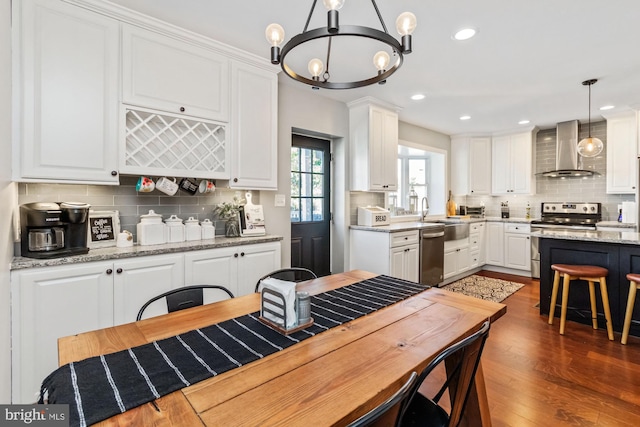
(399, 397)
(292, 274)
(461, 361)
(181, 298)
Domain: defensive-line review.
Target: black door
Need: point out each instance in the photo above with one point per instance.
(310, 204)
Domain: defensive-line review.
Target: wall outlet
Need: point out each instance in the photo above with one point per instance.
(280, 200)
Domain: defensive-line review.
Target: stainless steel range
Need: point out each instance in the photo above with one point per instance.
(559, 216)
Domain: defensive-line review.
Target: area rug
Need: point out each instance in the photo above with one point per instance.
(485, 288)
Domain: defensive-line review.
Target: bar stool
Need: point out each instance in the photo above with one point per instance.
(589, 273)
(634, 284)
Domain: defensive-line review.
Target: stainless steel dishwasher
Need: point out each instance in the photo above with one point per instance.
(432, 255)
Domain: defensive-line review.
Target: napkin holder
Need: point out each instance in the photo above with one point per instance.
(273, 312)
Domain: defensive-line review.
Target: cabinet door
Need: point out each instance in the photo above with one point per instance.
(495, 243)
(212, 267)
(255, 261)
(460, 166)
(622, 154)
(138, 280)
(167, 74)
(481, 244)
(49, 303)
(412, 263)
(68, 91)
(390, 151)
(464, 260)
(517, 251)
(480, 166)
(397, 261)
(520, 163)
(500, 165)
(450, 263)
(255, 127)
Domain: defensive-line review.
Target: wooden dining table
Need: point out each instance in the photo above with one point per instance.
(329, 379)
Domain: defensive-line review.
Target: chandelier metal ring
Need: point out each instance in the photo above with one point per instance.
(344, 30)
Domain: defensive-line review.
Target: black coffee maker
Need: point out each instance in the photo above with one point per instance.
(54, 230)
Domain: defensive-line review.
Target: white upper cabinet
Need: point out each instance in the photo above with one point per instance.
(512, 163)
(170, 75)
(66, 83)
(622, 152)
(471, 165)
(254, 119)
(374, 146)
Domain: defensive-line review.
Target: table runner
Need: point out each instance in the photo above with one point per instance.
(100, 387)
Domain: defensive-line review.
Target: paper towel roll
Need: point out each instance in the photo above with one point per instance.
(629, 212)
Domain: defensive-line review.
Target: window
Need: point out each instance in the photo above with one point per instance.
(423, 170)
(307, 185)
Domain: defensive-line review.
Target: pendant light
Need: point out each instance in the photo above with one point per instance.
(590, 147)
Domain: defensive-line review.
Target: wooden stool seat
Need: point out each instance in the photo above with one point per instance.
(589, 273)
(581, 270)
(634, 285)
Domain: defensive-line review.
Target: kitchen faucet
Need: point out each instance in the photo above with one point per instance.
(425, 208)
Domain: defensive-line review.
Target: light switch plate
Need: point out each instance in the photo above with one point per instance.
(280, 200)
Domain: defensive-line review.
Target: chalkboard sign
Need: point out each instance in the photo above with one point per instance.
(104, 227)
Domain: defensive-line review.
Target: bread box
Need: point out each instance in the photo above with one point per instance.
(372, 216)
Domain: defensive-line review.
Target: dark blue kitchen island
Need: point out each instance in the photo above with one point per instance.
(619, 252)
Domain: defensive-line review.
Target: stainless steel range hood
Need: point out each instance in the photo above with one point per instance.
(568, 161)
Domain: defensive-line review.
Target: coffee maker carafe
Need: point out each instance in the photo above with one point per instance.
(53, 230)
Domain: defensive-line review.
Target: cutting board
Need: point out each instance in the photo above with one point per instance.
(451, 206)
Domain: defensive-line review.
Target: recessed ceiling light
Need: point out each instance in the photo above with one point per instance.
(465, 117)
(417, 97)
(464, 34)
(524, 122)
(607, 107)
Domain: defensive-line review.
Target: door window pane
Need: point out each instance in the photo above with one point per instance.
(295, 184)
(307, 184)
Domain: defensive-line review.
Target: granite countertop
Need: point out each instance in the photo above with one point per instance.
(104, 254)
(418, 225)
(621, 237)
(616, 224)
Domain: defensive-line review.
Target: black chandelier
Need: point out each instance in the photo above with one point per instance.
(319, 71)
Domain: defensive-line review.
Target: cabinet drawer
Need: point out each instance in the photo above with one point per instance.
(403, 238)
(476, 227)
(517, 228)
(474, 242)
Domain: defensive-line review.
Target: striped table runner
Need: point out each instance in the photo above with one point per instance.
(100, 387)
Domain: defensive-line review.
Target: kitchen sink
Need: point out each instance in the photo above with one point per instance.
(456, 231)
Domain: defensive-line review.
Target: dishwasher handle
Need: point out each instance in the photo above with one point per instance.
(427, 235)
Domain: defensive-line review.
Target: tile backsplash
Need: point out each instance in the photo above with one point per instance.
(131, 204)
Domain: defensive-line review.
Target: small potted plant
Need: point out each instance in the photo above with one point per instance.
(229, 212)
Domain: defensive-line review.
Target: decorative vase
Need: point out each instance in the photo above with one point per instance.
(231, 228)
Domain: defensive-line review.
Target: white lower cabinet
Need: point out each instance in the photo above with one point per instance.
(495, 243)
(405, 262)
(52, 302)
(48, 303)
(456, 257)
(236, 268)
(517, 244)
(395, 254)
(137, 280)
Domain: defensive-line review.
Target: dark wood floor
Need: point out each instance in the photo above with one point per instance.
(536, 377)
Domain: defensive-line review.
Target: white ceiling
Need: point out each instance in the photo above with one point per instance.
(526, 62)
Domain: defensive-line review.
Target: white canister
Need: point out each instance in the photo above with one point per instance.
(151, 229)
(175, 229)
(208, 229)
(192, 229)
